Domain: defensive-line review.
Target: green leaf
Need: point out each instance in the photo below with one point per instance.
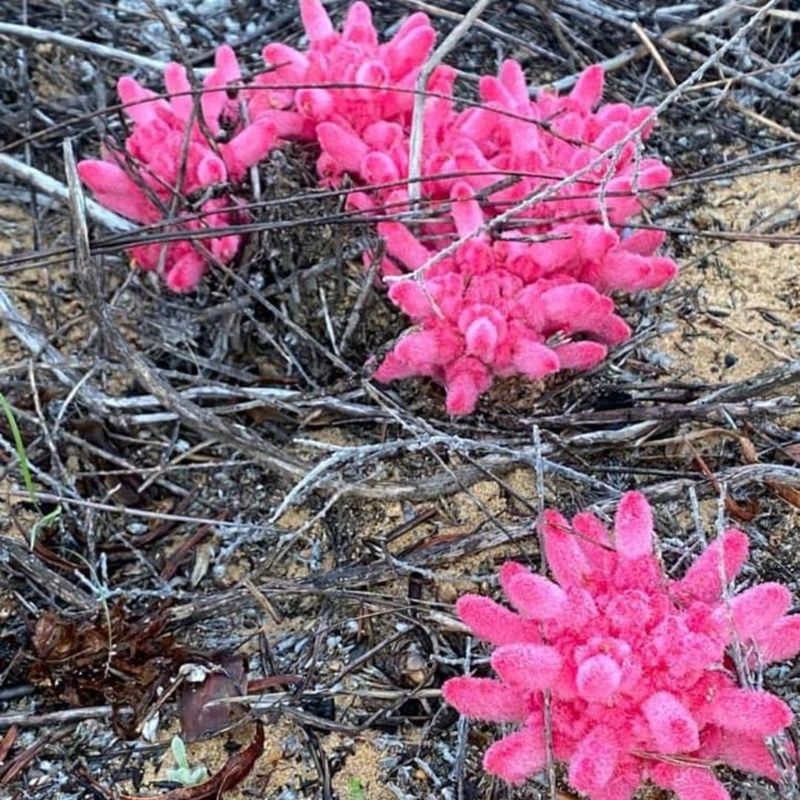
(356, 789)
(45, 522)
(179, 752)
(19, 447)
(184, 774)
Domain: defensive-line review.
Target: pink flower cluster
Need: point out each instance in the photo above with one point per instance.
(528, 299)
(176, 167)
(639, 669)
(179, 152)
(532, 299)
(347, 92)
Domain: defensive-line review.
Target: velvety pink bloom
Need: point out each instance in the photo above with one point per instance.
(553, 311)
(531, 300)
(345, 77)
(482, 315)
(169, 161)
(184, 262)
(637, 666)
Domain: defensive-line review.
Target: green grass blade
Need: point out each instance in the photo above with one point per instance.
(19, 447)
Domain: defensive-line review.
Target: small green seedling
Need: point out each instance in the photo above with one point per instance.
(184, 774)
(355, 789)
(25, 468)
(19, 447)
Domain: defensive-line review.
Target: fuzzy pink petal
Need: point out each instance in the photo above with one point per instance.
(564, 306)
(565, 558)
(317, 104)
(633, 526)
(393, 368)
(292, 60)
(512, 76)
(536, 597)
(694, 783)
(747, 753)
(316, 21)
(438, 345)
(534, 360)
(358, 26)
(211, 170)
(589, 88)
(141, 105)
(598, 678)
(580, 356)
(407, 52)
(466, 210)
(595, 541)
(371, 76)
(403, 245)
(780, 641)
(484, 698)
(378, 168)
(185, 274)
(593, 764)
(749, 711)
(495, 623)
(411, 299)
(644, 241)
(249, 147)
(343, 145)
(756, 609)
(465, 384)
(517, 756)
(529, 667)
(481, 339)
(114, 189)
(717, 565)
(629, 272)
(673, 727)
(178, 86)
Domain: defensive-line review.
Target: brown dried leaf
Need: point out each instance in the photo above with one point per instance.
(748, 450)
(198, 718)
(113, 659)
(793, 451)
(744, 512)
(788, 493)
(7, 742)
(11, 771)
(238, 767)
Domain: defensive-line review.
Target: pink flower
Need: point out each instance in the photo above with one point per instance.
(494, 311)
(169, 162)
(636, 664)
(530, 300)
(346, 78)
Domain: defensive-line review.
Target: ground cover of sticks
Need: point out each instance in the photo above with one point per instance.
(205, 498)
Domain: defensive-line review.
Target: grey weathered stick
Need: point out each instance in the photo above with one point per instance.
(14, 555)
(768, 380)
(538, 464)
(65, 717)
(79, 45)
(32, 338)
(704, 22)
(53, 188)
(669, 40)
(418, 117)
